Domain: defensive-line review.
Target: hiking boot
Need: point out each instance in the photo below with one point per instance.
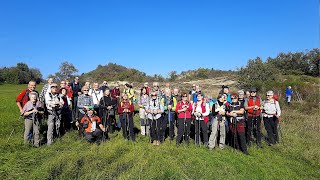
(158, 143)
(154, 143)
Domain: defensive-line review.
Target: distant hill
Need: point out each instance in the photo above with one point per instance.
(115, 72)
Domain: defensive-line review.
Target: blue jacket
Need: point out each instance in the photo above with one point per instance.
(288, 92)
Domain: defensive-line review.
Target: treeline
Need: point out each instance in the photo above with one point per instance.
(201, 73)
(114, 72)
(258, 72)
(20, 74)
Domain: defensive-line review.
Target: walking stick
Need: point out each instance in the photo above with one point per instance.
(234, 132)
(169, 119)
(152, 120)
(128, 126)
(184, 126)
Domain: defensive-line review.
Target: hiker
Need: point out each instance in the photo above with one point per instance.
(201, 110)
(177, 95)
(23, 97)
(46, 89)
(247, 94)
(191, 92)
(63, 84)
(96, 95)
(66, 115)
(104, 86)
(143, 101)
(169, 104)
(235, 111)
(32, 112)
(289, 93)
(154, 111)
(147, 87)
(107, 111)
(195, 94)
(84, 101)
(271, 115)
(218, 124)
(184, 110)
(92, 126)
(241, 97)
(128, 89)
(253, 106)
(54, 104)
(76, 89)
(225, 90)
(126, 110)
(157, 90)
(115, 92)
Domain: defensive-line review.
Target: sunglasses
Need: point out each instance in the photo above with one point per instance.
(54, 86)
(86, 90)
(253, 91)
(153, 95)
(184, 96)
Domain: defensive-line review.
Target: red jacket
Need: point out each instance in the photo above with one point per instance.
(125, 105)
(94, 118)
(203, 107)
(186, 114)
(114, 93)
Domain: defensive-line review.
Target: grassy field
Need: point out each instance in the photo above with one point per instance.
(74, 158)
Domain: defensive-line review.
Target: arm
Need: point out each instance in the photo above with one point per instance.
(19, 100)
(278, 109)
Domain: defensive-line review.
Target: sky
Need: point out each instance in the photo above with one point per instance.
(153, 36)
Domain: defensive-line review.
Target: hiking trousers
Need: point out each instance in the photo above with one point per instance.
(254, 127)
(271, 126)
(204, 128)
(127, 126)
(53, 126)
(170, 123)
(238, 135)
(29, 125)
(217, 126)
(155, 129)
(93, 136)
(183, 129)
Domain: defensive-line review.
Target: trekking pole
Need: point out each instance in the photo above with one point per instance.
(157, 128)
(199, 132)
(152, 120)
(13, 129)
(128, 119)
(184, 126)
(234, 132)
(169, 119)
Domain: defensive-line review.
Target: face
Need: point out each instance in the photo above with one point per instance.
(224, 97)
(104, 83)
(221, 99)
(199, 97)
(90, 112)
(175, 91)
(85, 91)
(33, 98)
(95, 85)
(226, 90)
(54, 89)
(184, 97)
(117, 86)
(76, 79)
(241, 96)
(64, 91)
(269, 97)
(107, 92)
(63, 84)
(153, 96)
(198, 88)
(155, 86)
(144, 91)
(167, 84)
(194, 87)
(50, 80)
(253, 93)
(247, 93)
(32, 86)
(125, 97)
(168, 93)
(234, 98)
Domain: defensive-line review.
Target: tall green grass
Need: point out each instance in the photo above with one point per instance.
(73, 158)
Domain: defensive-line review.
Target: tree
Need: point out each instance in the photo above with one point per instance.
(173, 75)
(66, 71)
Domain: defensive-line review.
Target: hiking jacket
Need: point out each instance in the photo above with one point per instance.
(89, 122)
(166, 101)
(271, 108)
(125, 105)
(186, 114)
(154, 104)
(203, 109)
(143, 100)
(53, 99)
(84, 100)
(288, 92)
(252, 101)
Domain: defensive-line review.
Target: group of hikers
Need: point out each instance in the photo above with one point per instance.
(233, 118)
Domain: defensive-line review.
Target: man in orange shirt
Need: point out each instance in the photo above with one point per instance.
(92, 126)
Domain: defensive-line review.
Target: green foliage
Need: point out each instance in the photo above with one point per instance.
(20, 74)
(72, 157)
(66, 71)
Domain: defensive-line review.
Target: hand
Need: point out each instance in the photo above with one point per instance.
(109, 107)
(159, 111)
(221, 112)
(79, 93)
(35, 110)
(21, 111)
(103, 129)
(234, 114)
(141, 106)
(77, 124)
(256, 107)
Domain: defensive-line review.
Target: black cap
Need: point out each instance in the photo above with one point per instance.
(253, 89)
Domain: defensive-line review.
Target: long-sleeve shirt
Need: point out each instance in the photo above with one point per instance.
(197, 108)
(155, 105)
(186, 114)
(143, 100)
(96, 95)
(52, 100)
(271, 108)
(84, 100)
(288, 92)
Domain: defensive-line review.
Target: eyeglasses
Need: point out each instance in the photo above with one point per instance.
(253, 91)
(184, 96)
(54, 86)
(85, 90)
(234, 97)
(153, 95)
